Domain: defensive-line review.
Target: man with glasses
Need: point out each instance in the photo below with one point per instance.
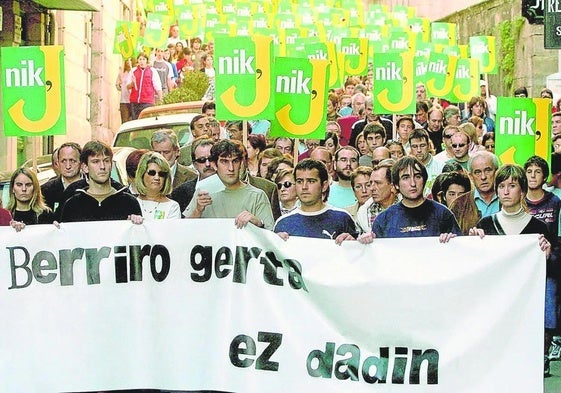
(164, 141)
(482, 167)
(314, 218)
(447, 153)
(200, 155)
(341, 193)
(434, 127)
(460, 149)
(238, 200)
(419, 143)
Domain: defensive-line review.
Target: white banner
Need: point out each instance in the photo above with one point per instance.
(200, 305)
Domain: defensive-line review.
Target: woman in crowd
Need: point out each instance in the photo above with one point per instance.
(277, 164)
(254, 146)
(488, 142)
(396, 149)
(153, 184)
(26, 204)
(145, 85)
(361, 145)
(478, 123)
(265, 159)
(332, 107)
(331, 142)
(478, 107)
(208, 67)
(287, 191)
(511, 185)
(121, 85)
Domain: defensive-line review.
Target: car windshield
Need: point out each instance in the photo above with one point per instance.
(140, 138)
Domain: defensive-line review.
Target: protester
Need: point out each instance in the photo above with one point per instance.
(121, 85)
(482, 167)
(287, 191)
(384, 194)
(69, 169)
(164, 141)
(153, 183)
(145, 86)
(254, 146)
(99, 201)
(26, 204)
(314, 218)
(512, 185)
(414, 215)
(243, 202)
(340, 192)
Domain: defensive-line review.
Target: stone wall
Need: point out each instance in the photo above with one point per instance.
(532, 62)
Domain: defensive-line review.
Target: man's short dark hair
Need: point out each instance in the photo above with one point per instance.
(459, 178)
(422, 105)
(376, 128)
(419, 133)
(540, 163)
(227, 148)
(308, 164)
(346, 148)
(196, 119)
(208, 105)
(407, 162)
(93, 148)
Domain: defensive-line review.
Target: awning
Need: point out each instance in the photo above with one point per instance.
(71, 5)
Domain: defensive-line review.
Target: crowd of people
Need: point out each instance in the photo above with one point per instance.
(146, 80)
(432, 173)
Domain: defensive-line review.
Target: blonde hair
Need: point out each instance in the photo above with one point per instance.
(37, 202)
(158, 159)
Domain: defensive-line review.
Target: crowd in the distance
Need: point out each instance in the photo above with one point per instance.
(145, 80)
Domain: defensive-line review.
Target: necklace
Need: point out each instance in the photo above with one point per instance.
(144, 209)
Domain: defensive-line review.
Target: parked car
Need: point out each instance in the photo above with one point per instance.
(138, 133)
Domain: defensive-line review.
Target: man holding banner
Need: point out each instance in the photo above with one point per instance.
(414, 215)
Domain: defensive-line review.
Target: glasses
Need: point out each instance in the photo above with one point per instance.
(285, 184)
(202, 160)
(448, 136)
(152, 172)
(456, 145)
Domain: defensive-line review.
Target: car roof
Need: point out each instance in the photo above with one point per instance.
(160, 121)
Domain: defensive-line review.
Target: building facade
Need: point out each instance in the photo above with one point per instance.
(85, 28)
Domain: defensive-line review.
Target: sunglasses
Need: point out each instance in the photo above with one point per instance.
(152, 172)
(456, 145)
(202, 160)
(448, 136)
(286, 184)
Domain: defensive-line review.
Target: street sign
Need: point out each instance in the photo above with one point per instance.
(533, 11)
(552, 24)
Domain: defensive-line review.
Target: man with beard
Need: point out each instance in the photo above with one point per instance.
(341, 193)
